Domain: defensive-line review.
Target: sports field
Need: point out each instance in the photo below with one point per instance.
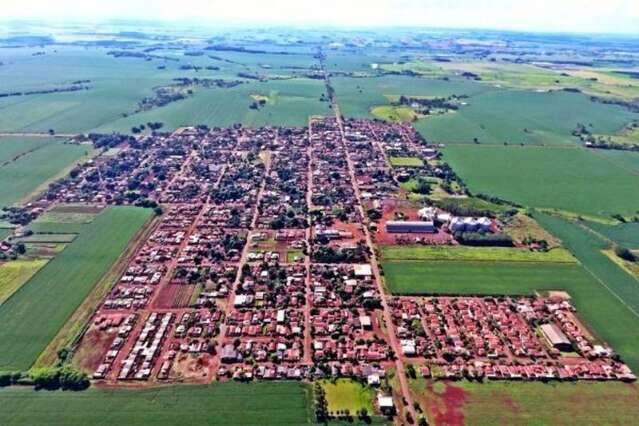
(217, 404)
(477, 254)
(572, 179)
(30, 171)
(526, 117)
(347, 394)
(34, 314)
(530, 403)
(406, 162)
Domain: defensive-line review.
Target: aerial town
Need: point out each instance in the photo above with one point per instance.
(263, 266)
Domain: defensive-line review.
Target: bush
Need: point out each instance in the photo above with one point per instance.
(66, 378)
(625, 254)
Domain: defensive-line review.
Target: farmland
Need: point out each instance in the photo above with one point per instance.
(580, 181)
(625, 234)
(34, 168)
(517, 117)
(223, 404)
(527, 403)
(52, 295)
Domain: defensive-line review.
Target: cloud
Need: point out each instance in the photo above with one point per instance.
(542, 15)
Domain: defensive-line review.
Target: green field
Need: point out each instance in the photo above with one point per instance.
(572, 179)
(15, 273)
(529, 403)
(30, 172)
(290, 103)
(4, 233)
(524, 117)
(347, 394)
(216, 404)
(406, 162)
(34, 314)
(14, 147)
(624, 234)
(486, 254)
(358, 96)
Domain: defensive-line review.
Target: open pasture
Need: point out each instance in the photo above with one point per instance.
(347, 394)
(523, 117)
(572, 179)
(216, 404)
(34, 314)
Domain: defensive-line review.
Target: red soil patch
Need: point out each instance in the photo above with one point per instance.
(449, 408)
(174, 296)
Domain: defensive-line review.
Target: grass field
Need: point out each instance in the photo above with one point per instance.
(526, 403)
(569, 179)
(33, 170)
(476, 254)
(4, 233)
(347, 394)
(518, 117)
(406, 162)
(33, 316)
(216, 404)
(15, 273)
(396, 114)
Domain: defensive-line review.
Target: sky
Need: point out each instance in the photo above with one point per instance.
(603, 16)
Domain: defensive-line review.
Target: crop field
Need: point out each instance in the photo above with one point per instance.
(346, 394)
(15, 273)
(519, 117)
(532, 403)
(572, 179)
(12, 148)
(358, 96)
(290, 103)
(30, 172)
(34, 314)
(629, 160)
(487, 254)
(624, 234)
(216, 404)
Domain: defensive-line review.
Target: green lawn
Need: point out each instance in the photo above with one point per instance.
(461, 253)
(217, 404)
(34, 314)
(406, 162)
(347, 394)
(572, 179)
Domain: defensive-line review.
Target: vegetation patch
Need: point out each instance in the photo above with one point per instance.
(395, 113)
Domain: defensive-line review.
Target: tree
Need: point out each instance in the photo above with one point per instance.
(20, 248)
(625, 254)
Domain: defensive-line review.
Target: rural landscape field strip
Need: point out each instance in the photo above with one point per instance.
(14, 274)
(465, 253)
(34, 314)
(216, 404)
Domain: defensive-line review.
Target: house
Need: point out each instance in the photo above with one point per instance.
(229, 354)
(363, 270)
(393, 226)
(556, 337)
(385, 404)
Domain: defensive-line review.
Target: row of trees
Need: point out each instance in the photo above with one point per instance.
(66, 378)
